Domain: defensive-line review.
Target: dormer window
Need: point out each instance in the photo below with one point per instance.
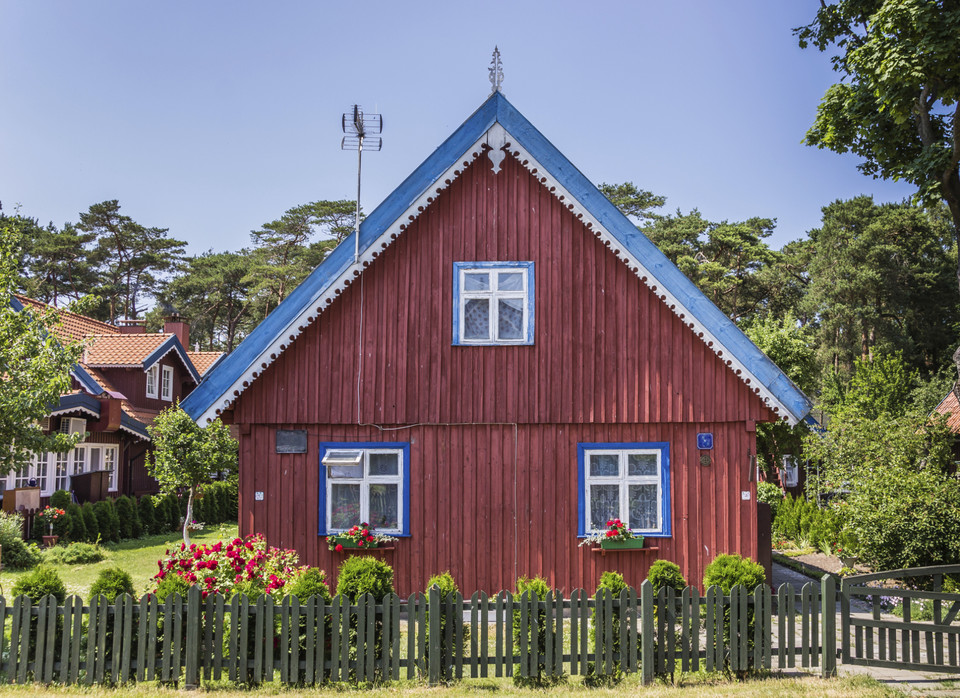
(152, 379)
(493, 303)
(166, 383)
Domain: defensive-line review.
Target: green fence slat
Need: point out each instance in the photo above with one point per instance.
(312, 635)
(142, 621)
(558, 636)
(40, 640)
(361, 644)
(126, 652)
(165, 670)
(734, 628)
(805, 625)
(285, 640)
(484, 618)
(293, 673)
(335, 638)
(498, 634)
(458, 634)
(395, 637)
(208, 621)
(386, 644)
(346, 609)
(218, 621)
(524, 634)
(233, 639)
(76, 640)
(90, 657)
(685, 630)
(64, 640)
(549, 628)
(258, 634)
(791, 627)
(103, 620)
(3, 627)
(584, 604)
(694, 629)
(54, 618)
(14, 639)
(24, 639)
(411, 636)
(371, 653)
(152, 638)
(757, 632)
(828, 590)
(767, 628)
(647, 658)
(474, 634)
(179, 607)
(114, 645)
(574, 631)
(269, 637)
(709, 622)
(661, 615)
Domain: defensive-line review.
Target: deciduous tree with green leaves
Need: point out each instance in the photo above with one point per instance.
(34, 367)
(898, 103)
(187, 456)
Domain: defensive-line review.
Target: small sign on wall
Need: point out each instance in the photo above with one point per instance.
(705, 441)
(258, 496)
(291, 440)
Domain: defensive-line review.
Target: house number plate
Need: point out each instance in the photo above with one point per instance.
(705, 442)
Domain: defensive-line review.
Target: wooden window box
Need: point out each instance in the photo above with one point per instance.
(604, 551)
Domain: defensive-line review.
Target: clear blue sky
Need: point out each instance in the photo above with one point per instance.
(211, 118)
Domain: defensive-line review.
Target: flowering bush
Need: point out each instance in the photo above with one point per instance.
(243, 565)
(362, 536)
(51, 514)
(616, 530)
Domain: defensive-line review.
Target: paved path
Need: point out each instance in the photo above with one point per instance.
(910, 682)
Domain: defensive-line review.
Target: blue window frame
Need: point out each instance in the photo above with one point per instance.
(626, 481)
(493, 303)
(365, 482)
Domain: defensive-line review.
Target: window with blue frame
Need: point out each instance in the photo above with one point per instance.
(493, 303)
(365, 483)
(626, 481)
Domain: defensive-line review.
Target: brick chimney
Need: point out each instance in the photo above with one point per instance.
(177, 325)
(132, 326)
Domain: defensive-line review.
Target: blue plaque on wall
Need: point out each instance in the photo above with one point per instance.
(705, 442)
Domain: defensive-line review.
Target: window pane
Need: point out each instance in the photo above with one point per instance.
(644, 501)
(344, 506)
(476, 319)
(476, 282)
(642, 464)
(604, 505)
(510, 281)
(94, 459)
(341, 471)
(384, 464)
(384, 506)
(607, 464)
(511, 318)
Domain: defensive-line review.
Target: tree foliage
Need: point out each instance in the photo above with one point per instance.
(34, 367)
(187, 456)
(898, 102)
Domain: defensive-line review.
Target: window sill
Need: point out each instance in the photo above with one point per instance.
(604, 551)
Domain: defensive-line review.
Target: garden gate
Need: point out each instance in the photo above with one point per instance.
(907, 643)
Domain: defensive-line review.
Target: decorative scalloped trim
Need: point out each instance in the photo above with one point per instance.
(386, 238)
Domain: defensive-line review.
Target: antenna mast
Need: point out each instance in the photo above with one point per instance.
(360, 128)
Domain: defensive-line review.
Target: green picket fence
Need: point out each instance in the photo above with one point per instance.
(306, 642)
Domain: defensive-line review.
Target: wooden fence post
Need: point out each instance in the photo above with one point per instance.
(192, 640)
(828, 619)
(647, 633)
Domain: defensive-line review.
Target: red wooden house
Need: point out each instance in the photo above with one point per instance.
(507, 364)
(125, 377)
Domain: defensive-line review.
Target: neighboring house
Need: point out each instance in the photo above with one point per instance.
(508, 364)
(124, 379)
(950, 406)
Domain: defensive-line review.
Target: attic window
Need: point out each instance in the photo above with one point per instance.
(166, 384)
(152, 376)
(493, 303)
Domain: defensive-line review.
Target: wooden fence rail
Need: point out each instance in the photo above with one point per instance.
(311, 641)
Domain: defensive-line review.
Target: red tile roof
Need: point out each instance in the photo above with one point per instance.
(122, 349)
(74, 327)
(203, 360)
(951, 406)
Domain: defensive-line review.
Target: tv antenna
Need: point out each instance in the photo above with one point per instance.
(360, 130)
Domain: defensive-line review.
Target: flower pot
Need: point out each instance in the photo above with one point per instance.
(348, 542)
(628, 544)
(50, 541)
(849, 560)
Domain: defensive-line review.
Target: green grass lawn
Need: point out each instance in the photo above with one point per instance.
(137, 556)
(854, 686)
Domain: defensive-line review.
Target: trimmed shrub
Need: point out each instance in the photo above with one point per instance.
(172, 584)
(145, 513)
(75, 554)
(17, 555)
(108, 523)
(112, 582)
(448, 589)
(727, 571)
(128, 516)
(39, 583)
(90, 522)
(359, 575)
(540, 587)
(200, 510)
(310, 582)
(666, 574)
(174, 512)
(614, 583)
(77, 530)
(61, 499)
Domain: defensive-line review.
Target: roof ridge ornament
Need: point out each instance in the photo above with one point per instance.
(496, 71)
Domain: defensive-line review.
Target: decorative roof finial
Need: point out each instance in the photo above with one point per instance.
(496, 71)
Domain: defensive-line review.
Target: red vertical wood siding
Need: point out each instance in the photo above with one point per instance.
(493, 453)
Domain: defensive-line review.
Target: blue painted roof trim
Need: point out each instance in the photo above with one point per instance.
(131, 424)
(76, 401)
(172, 343)
(496, 108)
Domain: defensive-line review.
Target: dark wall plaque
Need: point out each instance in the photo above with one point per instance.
(291, 440)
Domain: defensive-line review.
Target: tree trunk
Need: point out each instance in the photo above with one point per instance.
(188, 518)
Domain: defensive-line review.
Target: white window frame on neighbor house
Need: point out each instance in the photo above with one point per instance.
(53, 471)
(622, 479)
(166, 383)
(479, 282)
(153, 374)
(338, 460)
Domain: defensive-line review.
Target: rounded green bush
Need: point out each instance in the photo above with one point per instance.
(727, 571)
(446, 583)
(112, 582)
(172, 584)
(666, 574)
(90, 523)
(145, 511)
(61, 499)
(359, 575)
(17, 555)
(77, 530)
(75, 554)
(310, 582)
(128, 517)
(40, 583)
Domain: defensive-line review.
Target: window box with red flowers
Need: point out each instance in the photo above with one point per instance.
(616, 537)
(361, 537)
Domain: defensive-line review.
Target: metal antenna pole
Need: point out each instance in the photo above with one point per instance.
(355, 125)
(356, 221)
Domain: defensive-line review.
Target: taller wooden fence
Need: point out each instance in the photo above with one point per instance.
(310, 641)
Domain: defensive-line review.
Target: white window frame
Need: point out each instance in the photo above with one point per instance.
(60, 467)
(166, 384)
(110, 458)
(623, 481)
(526, 294)
(365, 481)
(153, 374)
